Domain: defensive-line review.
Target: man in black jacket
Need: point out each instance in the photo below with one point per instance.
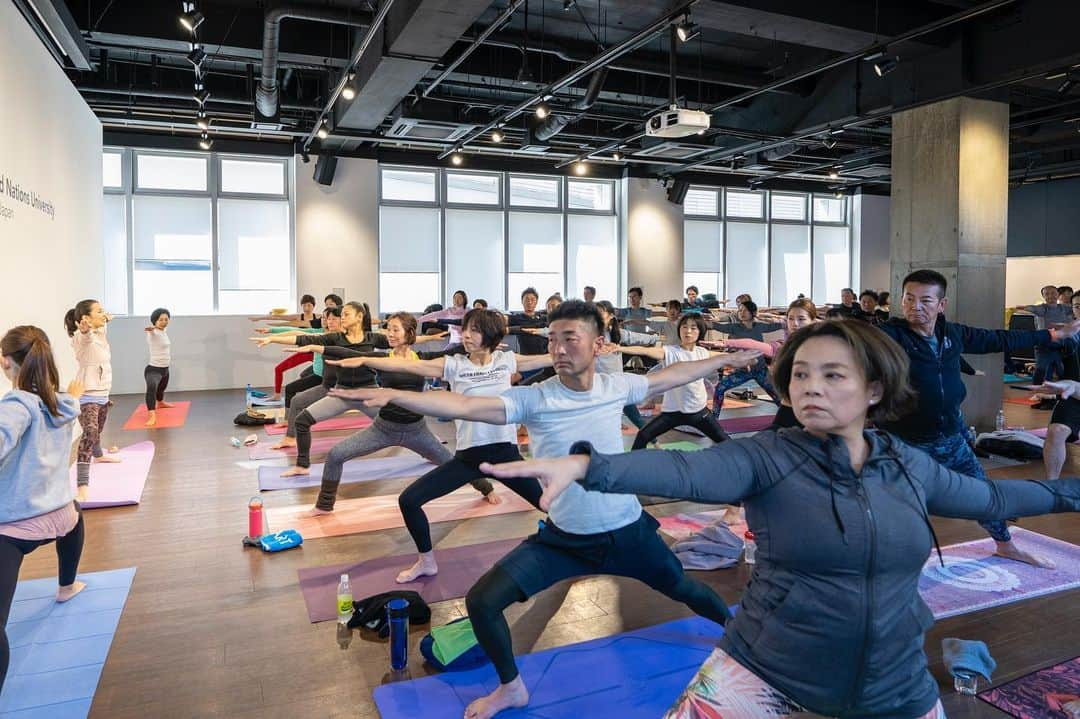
(934, 347)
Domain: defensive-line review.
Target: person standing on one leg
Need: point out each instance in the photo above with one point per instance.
(156, 373)
(36, 508)
(934, 347)
(585, 532)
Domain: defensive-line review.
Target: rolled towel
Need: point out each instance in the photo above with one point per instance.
(967, 656)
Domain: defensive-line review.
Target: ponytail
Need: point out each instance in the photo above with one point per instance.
(366, 324)
(28, 347)
(75, 315)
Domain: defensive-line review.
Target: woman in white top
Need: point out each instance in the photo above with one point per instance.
(85, 324)
(157, 371)
(483, 372)
(688, 404)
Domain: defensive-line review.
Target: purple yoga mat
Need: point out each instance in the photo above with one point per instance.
(1039, 695)
(116, 484)
(735, 425)
(319, 445)
(459, 568)
(974, 579)
(357, 470)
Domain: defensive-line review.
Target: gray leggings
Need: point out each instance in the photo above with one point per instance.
(326, 408)
(300, 402)
(380, 435)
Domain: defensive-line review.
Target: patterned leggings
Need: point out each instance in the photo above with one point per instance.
(92, 419)
(724, 688)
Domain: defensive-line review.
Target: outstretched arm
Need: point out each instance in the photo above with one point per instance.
(450, 405)
(527, 363)
(682, 373)
(656, 353)
(425, 368)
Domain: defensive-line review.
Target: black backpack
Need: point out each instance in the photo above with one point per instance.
(370, 611)
(245, 419)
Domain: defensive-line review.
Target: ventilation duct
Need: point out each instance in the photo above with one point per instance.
(554, 124)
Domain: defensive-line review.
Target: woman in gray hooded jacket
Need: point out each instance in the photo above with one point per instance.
(831, 621)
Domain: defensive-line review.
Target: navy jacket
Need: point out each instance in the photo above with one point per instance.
(936, 376)
(832, 615)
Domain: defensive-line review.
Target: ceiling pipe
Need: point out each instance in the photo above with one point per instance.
(475, 44)
(266, 93)
(174, 95)
(554, 124)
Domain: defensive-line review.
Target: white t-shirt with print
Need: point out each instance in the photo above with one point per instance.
(556, 417)
(688, 398)
(489, 380)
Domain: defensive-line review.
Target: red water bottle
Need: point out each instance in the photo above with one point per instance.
(255, 518)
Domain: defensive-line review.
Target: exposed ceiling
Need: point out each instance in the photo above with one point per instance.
(791, 97)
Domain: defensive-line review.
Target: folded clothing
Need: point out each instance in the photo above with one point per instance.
(453, 648)
(967, 656)
(712, 547)
(370, 611)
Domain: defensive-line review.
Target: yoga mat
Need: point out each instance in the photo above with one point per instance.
(973, 579)
(459, 568)
(1041, 432)
(370, 514)
(1021, 400)
(635, 675)
(357, 470)
(1039, 695)
(58, 650)
(167, 417)
(1010, 378)
(119, 483)
(681, 526)
(319, 445)
(348, 421)
(682, 446)
(737, 425)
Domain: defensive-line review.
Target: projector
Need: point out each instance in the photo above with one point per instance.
(677, 122)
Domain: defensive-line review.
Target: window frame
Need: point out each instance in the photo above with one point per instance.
(560, 194)
(267, 160)
(806, 203)
(845, 211)
(583, 211)
(437, 202)
(444, 180)
(720, 199)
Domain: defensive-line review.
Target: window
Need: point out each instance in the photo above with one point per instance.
(592, 249)
(832, 263)
(472, 188)
(701, 201)
(703, 257)
(787, 207)
(829, 209)
(535, 255)
(747, 260)
(475, 256)
(789, 263)
(534, 192)
(409, 258)
(408, 185)
(750, 205)
(199, 233)
(597, 195)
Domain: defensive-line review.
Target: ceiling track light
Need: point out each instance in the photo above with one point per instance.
(196, 56)
(834, 173)
(542, 111)
(687, 29)
(457, 159)
(192, 20)
(580, 168)
(202, 121)
(497, 136)
(201, 95)
(205, 142)
(1066, 84)
(323, 132)
(568, 5)
(829, 142)
(349, 91)
(616, 156)
(885, 65)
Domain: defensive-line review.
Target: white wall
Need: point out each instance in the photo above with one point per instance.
(654, 240)
(870, 242)
(1025, 276)
(50, 145)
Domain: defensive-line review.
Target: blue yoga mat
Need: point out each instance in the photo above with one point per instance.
(636, 675)
(58, 650)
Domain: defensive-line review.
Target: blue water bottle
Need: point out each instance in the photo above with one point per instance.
(397, 611)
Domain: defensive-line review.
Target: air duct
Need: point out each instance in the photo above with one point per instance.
(554, 124)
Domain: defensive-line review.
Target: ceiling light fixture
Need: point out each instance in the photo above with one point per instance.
(196, 56)
(828, 142)
(616, 156)
(497, 136)
(201, 95)
(542, 111)
(205, 142)
(349, 91)
(568, 5)
(580, 168)
(834, 174)
(202, 121)
(192, 20)
(885, 65)
(457, 159)
(323, 132)
(687, 29)
(1066, 84)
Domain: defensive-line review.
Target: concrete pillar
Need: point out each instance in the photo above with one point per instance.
(949, 212)
(653, 228)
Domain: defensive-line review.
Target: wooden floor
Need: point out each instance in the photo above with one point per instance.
(212, 629)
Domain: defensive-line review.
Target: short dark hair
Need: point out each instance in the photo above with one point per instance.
(480, 301)
(635, 291)
(879, 357)
(335, 311)
(307, 300)
(750, 306)
(697, 319)
(1052, 287)
(530, 291)
(408, 323)
(673, 305)
(587, 312)
(927, 277)
(694, 288)
(490, 324)
(336, 299)
(590, 287)
(156, 315)
(1065, 288)
(869, 293)
(847, 289)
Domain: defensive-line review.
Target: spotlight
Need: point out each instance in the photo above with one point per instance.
(580, 168)
(836, 131)
(192, 20)
(202, 121)
(1066, 84)
(456, 159)
(542, 111)
(885, 65)
(828, 142)
(838, 194)
(323, 132)
(568, 5)
(349, 91)
(834, 174)
(687, 29)
(201, 95)
(497, 136)
(205, 142)
(196, 56)
(616, 156)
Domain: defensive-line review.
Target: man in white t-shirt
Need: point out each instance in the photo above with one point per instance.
(586, 532)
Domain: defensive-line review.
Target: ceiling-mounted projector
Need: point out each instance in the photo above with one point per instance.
(677, 122)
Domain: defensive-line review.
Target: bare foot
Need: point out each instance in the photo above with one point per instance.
(106, 459)
(1009, 550)
(492, 497)
(114, 449)
(506, 696)
(284, 443)
(151, 418)
(65, 593)
(166, 405)
(315, 511)
(296, 472)
(425, 567)
(82, 494)
(276, 396)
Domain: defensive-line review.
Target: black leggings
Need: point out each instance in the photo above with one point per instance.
(304, 382)
(157, 379)
(703, 421)
(68, 551)
(463, 468)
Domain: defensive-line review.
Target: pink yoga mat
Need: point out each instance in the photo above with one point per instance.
(459, 568)
(349, 421)
(370, 514)
(681, 526)
(116, 484)
(974, 579)
(736, 425)
(319, 445)
(357, 470)
(167, 417)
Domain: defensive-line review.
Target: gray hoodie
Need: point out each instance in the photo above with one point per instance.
(832, 615)
(34, 450)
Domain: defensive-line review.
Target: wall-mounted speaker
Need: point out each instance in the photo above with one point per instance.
(324, 169)
(677, 192)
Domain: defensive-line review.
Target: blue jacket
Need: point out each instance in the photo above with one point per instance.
(936, 376)
(832, 615)
(35, 447)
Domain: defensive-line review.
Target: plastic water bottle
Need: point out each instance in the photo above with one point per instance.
(966, 683)
(344, 600)
(397, 611)
(972, 436)
(999, 421)
(749, 548)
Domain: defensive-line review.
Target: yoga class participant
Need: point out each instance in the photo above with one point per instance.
(528, 318)
(484, 372)
(667, 328)
(456, 312)
(612, 360)
(685, 405)
(36, 424)
(393, 426)
(585, 532)
(1047, 315)
(312, 376)
(156, 373)
(746, 328)
(352, 337)
(831, 622)
(868, 303)
(552, 302)
(933, 347)
(693, 299)
(479, 304)
(85, 324)
(305, 318)
(1064, 424)
(635, 316)
(848, 307)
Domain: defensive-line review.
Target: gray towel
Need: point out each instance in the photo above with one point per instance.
(713, 547)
